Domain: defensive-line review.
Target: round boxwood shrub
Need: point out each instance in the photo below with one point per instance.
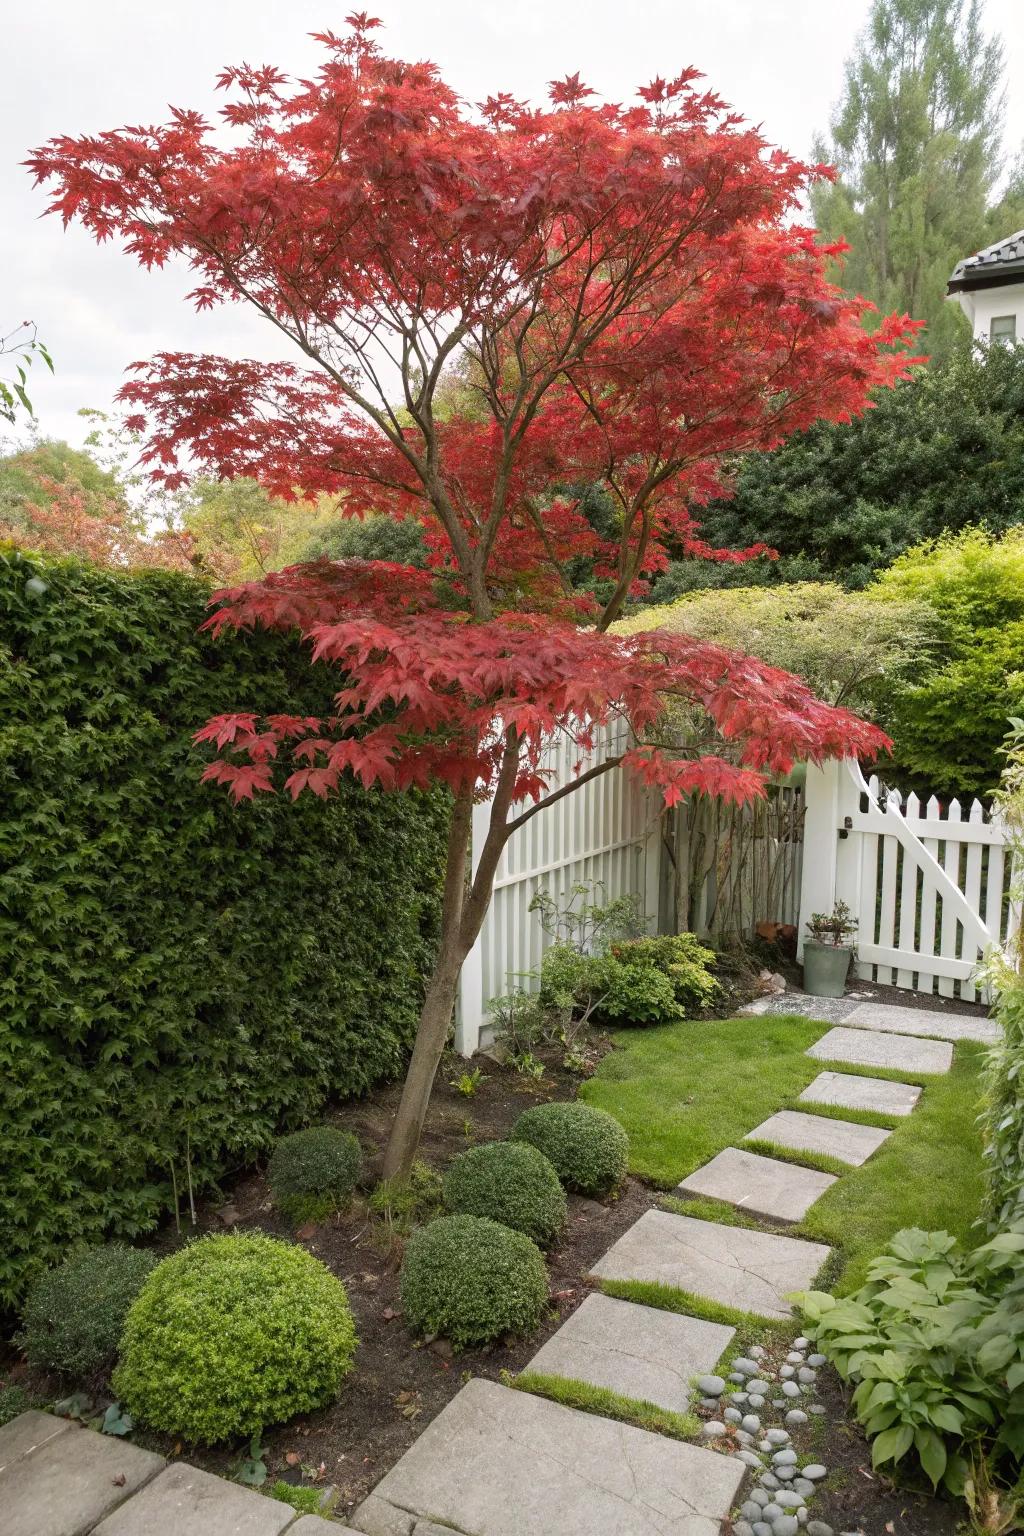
(587, 1147)
(74, 1314)
(232, 1334)
(471, 1279)
(511, 1182)
(314, 1172)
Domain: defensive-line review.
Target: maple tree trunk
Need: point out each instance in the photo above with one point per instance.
(463, 910)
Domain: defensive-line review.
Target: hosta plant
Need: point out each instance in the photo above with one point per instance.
(934, 1343)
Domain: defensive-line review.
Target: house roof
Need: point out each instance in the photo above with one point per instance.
(991, 268)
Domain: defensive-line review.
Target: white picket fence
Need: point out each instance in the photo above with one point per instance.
(606, 832)
(928, 886)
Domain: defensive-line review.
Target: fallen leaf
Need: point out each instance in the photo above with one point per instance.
(292, 1458)
(388, 1314)
(306, 1232)
(119, 1481)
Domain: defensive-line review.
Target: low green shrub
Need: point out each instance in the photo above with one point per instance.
(402, 1203)
(13, 1400)
(74, 1314)
(511, 1182)
(587, 1147)
(472, 1280)
(314, 1172)
(934, 1342)
(637, 981)
(232, 1334)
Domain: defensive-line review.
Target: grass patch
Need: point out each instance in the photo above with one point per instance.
(703, 1208)
(650, 1293)
(685, 1091)
(929, 1174)
(890, 1074)
(798, 1155)
(607, 1404)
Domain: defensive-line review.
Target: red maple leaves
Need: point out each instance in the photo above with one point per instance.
(488, 306)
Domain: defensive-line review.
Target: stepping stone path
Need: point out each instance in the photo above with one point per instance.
(736, 1266)
(872, 1048)
(847, 1091)
(764, 1185)
(845, 1139)
(497, 1462)
(639, 1352)
(501, 1462)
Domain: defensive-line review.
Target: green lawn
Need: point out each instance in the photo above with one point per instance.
(685, 1091)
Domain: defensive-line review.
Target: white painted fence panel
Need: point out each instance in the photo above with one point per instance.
(929, 887)
(607, 831)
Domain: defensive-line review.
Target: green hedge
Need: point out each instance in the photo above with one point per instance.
(179, 979)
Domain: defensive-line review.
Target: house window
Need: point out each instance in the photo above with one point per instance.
(1003, 328)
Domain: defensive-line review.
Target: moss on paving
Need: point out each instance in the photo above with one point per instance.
(609, 1405)
(686, 1091)
(929, 1174)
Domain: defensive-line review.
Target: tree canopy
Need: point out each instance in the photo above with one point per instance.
(916, 140)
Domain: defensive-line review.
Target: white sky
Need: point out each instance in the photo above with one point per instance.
(74, 67)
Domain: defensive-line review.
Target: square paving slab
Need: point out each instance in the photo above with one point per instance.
(636, 1351)
(183, 1501)
(27, 1433)
(497, 1462)
(761, 1184)
(848, 1091)
(872, 1048)
(844, 1139)
(67, 1486)
(734, 1265)
(924, 1021)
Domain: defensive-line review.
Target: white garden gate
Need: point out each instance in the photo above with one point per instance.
(608, 831)
(929, 887)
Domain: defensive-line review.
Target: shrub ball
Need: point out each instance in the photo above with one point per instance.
(232, 1334)
(587, 1147)
(74, 1315)
(472, 1280)
(511, 1182)
(314, 1172)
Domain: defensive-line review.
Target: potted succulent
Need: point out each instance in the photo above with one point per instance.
(828, 951)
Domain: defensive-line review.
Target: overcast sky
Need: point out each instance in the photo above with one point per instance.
(74, 67)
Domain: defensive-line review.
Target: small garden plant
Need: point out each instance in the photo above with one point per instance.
(587, 1147)
(314, 1172)
(837, 927)
(511, 1182)
(74, 1314)
(232, 1334)
(472, 1280)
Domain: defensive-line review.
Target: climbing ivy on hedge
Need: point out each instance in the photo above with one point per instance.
(179, 979)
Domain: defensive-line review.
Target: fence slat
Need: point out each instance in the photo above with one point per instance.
(948, 932)
(908, 942)
(972, 890)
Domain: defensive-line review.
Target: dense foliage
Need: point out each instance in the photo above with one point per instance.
(512, 1183)
(74, 1314)
(232, 1334)
(943, 451)
(934, 1342)
(635, 981)
(314, 1171)
(472, 1280)
(949, 727)
(178, 981)
(587, 1147)
(1003, 1117)
(399, 540)
(848, 646)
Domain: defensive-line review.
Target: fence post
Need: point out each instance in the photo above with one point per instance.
(469, 1006)
(821, 843)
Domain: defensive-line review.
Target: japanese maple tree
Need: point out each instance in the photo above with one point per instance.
(622, 300)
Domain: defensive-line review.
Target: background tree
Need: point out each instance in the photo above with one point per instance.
(943, 451)
(916, 142)
(634, 305)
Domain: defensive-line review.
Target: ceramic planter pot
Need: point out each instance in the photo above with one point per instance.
(826, 967)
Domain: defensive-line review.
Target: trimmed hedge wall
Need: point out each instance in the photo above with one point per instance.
(179, 979)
